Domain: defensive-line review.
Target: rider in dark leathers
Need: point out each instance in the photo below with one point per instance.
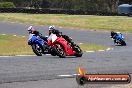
(58, 33)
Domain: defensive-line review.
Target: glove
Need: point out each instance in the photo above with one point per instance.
(40, 34)
(60, 34)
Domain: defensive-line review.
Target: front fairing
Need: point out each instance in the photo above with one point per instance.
(51, 39)
(120, 37)
(123, 37)
(30, 39)
(54, 39)
(35, 39)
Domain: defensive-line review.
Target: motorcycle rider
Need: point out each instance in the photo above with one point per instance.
(58, 33)
(115, 35)
(31, 30)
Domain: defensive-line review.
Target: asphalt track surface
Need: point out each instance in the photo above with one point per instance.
(46, 71)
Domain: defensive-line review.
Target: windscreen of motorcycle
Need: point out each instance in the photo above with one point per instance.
(123, 37)
(52, 37)
(30, 36)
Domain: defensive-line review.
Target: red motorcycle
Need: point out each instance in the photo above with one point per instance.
(62, 48)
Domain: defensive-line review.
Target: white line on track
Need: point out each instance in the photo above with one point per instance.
(3, 34)
(101, 50)
(65, 75)
(108, 49)
(90, 51)
(75, 74)
(14, 35)
(23, 36)
(29, 55)
(6, 56)
(17, 55)
(68, 75)
(25, 55)
(22, 55)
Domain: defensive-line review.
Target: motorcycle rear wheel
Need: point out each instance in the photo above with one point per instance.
(123, 43)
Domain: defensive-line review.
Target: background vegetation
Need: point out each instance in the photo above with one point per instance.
(101, 23)
(94, 5)
(7, 5)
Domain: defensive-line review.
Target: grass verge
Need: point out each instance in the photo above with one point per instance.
(17, 45)
(14, 45)
(115, 23)
(92, 47)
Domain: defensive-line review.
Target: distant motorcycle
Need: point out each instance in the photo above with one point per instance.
(37, 45)
(61, 48)
(119, 39)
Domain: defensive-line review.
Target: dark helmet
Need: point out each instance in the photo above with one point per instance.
(112, 33)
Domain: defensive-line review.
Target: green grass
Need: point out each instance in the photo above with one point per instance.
(115, 23)
(92, 47)
(14, 45)
(17, 45)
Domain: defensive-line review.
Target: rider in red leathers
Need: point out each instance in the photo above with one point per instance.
(58, 33)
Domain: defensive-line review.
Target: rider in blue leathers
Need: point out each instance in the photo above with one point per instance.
(31, 30)
(116, 35)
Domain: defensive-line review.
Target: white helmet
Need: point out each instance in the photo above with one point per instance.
(51, 27)
(118, 32)
(30, 28)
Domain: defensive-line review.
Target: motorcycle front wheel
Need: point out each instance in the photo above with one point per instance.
(37, 49)
(59, 50)
(78, 50)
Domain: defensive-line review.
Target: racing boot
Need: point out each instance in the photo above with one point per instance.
(44, 47)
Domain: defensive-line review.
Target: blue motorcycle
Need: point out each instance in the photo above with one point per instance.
(38, 45)
(119, 39)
